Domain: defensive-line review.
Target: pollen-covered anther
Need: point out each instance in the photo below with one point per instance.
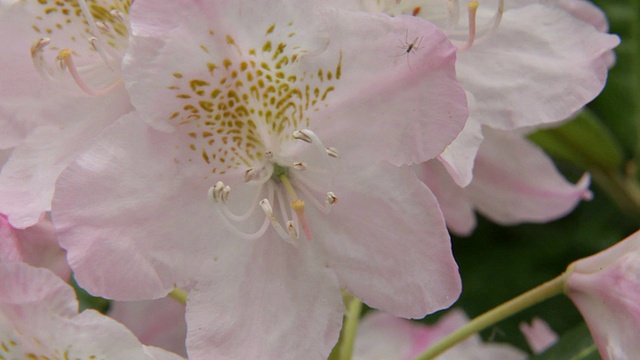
(302, 135)
(299, 165)
(333, 152)
(103, 26)
(215, 192)
(117, 14)
(250, 174)
(331, 198)
(37, 56)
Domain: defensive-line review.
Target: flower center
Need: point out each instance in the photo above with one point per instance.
(278, 183)
(105, 30)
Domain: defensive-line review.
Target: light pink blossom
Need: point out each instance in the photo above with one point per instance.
(35, 245)
(39, 319)
(514, 181)
(538, 334)
(299, 136)
(384, 337)
(519, 73)
(54, 102)
(606, 289)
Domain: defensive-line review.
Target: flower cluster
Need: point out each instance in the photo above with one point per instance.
(267, 157)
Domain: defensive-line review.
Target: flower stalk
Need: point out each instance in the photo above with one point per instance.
(542, 292)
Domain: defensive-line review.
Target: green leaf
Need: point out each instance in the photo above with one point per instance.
(584, 142)
(619, 104)
(575, 344)
(87, 301)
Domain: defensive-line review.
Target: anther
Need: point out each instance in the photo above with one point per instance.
(472, 7)
(103, 26)
(225, 194)
(216, 190)
(333, 152)
(268, 155)
(299, 165)
(302, 135)
(117, 14)
(37, 56)
(250, 174)
(331, 198)
(268, 210)
(292, 230)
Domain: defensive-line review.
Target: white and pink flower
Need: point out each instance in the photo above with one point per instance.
(39, 320)
(606, 289)
(271, 175)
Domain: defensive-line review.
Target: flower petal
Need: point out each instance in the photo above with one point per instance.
(390, 247)
(514, 181)
(542, 75)
(131, 177)
(264, 299)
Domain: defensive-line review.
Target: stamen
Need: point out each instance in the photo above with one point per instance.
(37, 56)
(472, 7)
(454, 13)
(268, 211)
(299, 165)
(103, 26)
(268, 155)
(64, 58)
(302, 135)
(220, 192)
(100, 45)
(497, 18)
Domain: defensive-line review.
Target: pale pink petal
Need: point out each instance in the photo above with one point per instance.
(514, 181)
(27, 180)
(385, 214)
(35, 245)
(543, 76)
(264, 300)
(130, 177)
(606, 289)
(423, 108)
(155, 322)
(539, 335)
(39, 319)
(459, 157)
(457, 208)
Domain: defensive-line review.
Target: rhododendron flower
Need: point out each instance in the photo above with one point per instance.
(35, 245)
(523, 64)
(272, 176)
(513, 181)
(382, 336)
(606, 289)
(54, 102)
(158, 322)
(538, 334)
(39, 320)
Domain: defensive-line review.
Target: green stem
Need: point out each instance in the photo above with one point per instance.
(542, 292)
(623, 190)
(350, 327)
(180, 295)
